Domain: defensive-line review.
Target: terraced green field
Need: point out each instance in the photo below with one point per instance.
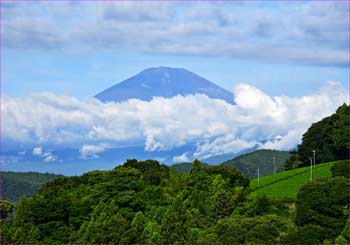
(285, 185)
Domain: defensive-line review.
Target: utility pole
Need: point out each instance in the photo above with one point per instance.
(274, 164)
(310, 169)
(258, 177)
(314, 153)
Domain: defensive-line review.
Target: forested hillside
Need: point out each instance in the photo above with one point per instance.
(262, 159)
(329, 138)
(16, 185)
(144, 202)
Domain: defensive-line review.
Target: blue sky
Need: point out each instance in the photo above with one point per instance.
(79, 49)
(83, 77)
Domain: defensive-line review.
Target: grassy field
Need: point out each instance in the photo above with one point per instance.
(287, 184)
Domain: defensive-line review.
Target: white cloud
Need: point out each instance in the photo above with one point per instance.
(91, 151)
(47, 156)
(182, 158)
(214, 126)
(312, 33)
(222, 145)
(37, 151)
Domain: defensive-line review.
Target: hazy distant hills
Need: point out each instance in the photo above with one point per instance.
(70, 161)
(163, 82)
(16, 185)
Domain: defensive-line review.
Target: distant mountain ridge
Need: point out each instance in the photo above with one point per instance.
(16, 185)
(164, 82)
(247, 163)
(218, 159)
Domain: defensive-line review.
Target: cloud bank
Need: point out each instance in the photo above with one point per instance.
(214, 126)
(315, 33)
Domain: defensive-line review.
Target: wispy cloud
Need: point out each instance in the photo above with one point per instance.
(37, 151)
(307, 33)
(46, 156)
(182, 158)
(214, 126)
(91, 151)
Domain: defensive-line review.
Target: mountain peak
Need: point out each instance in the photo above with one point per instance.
(164, 82)
(163, 70)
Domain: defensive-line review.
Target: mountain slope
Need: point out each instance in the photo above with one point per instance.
(218, 159)
(262, 159)
(163, 82)
(16, 184)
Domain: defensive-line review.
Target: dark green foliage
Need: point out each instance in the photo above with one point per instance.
(341, 168)
(106, 226)
(330, 138)
(308, 234)
(233, 175)
(263, 205)
(346, 231)
(139, 202)
(223, 205)
(142, 202)
(258, 230)
(16, 185)
(263, 159)
(294, 161)
(152, 171)
(137, 227)
(325, 203)
(183, 167)
(7, 208)
(173, 227)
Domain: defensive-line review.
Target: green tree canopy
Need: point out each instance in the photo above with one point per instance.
(329, 138)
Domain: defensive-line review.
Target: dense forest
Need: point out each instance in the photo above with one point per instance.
(329, 138)
(15, 185)
(145, 202)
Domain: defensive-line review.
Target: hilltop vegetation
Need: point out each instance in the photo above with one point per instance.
(328, 137)
(262, 159)
(16, 185)
(183, 167)
(145, 202)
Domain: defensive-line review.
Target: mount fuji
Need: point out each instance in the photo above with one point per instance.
(163, 82)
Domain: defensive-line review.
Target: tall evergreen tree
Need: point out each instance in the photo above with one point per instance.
(173, 228)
